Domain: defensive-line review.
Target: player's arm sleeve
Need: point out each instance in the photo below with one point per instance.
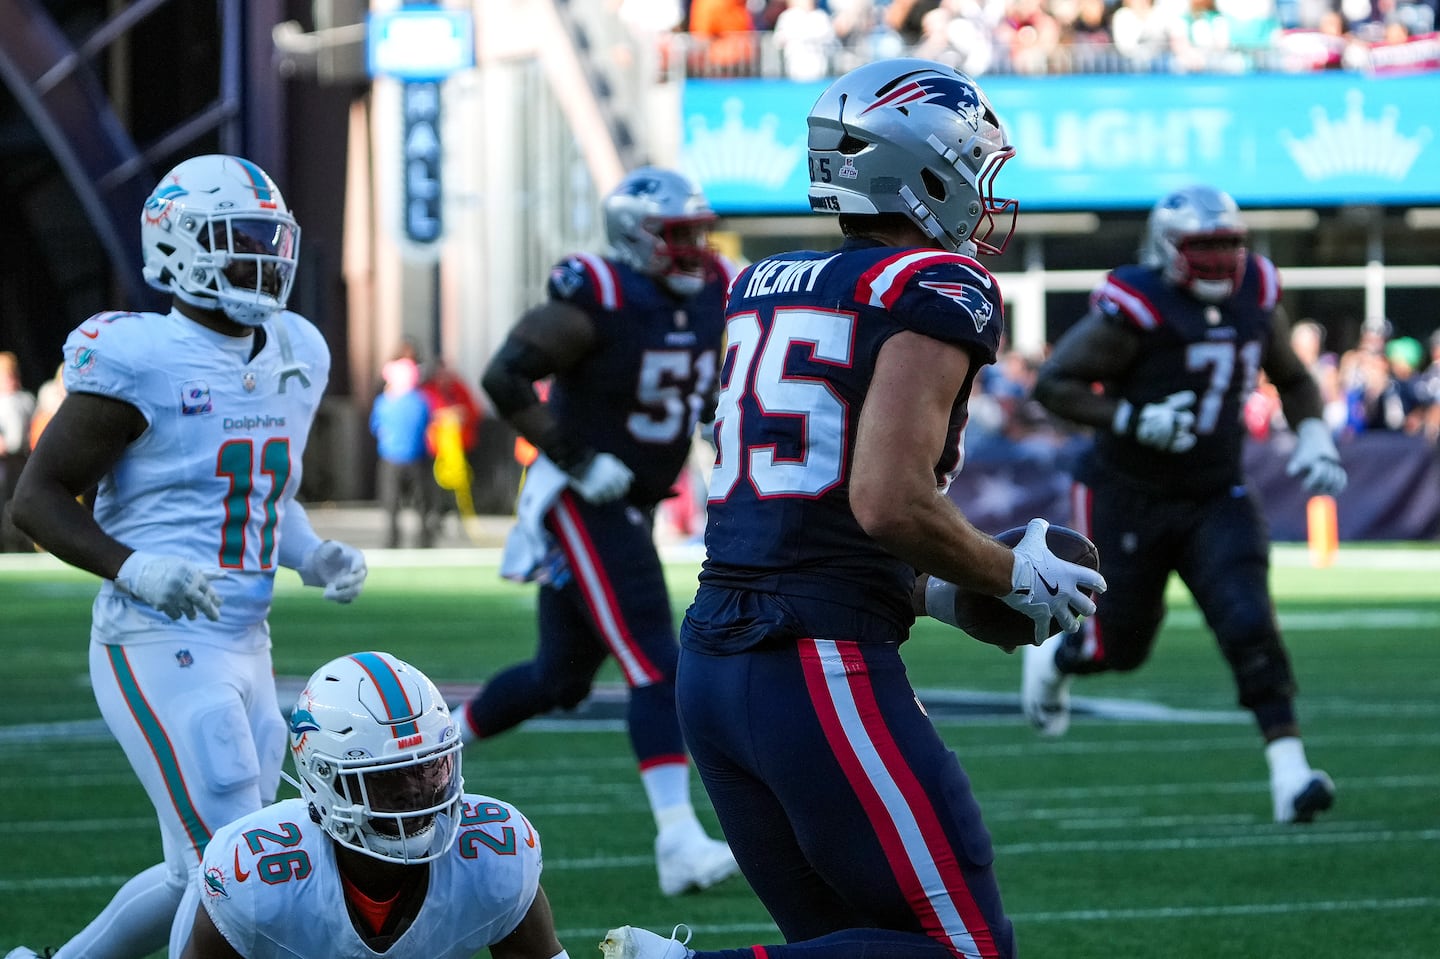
(85, 439)
(549, 339)
(1299, 393)
(1091, 353)
(297, 536)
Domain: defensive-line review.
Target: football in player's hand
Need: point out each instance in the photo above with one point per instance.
(990, 620)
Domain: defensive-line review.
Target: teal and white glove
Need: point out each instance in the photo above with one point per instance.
(1317, 458)
(338, 567)
(1168, 426)
(174, 586)
(1044, 586)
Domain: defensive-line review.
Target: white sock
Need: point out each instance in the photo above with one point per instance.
(667, 786)
(134, 924)
(1286, 757)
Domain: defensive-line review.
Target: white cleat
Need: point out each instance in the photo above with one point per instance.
(1044, 690)
(1299, 799)
(692, 862)
(24, 952)
(628, 942)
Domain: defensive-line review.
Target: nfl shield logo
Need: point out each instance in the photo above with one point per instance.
(184, 658)
(248, 381)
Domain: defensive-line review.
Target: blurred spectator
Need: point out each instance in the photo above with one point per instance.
(398, 420)
(47, 401)
(1307, 338)
(1405, 354)
(907, 18)
(805, 38)
(16, 408)
(1028, 34)
(1427, 392)
(1201, 41)
(1141, 31)
(455, 415)
(1253, 24)
(723, 29)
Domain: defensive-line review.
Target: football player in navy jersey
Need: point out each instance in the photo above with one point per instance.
(843, 400)
(632, 341)
(1176, 342)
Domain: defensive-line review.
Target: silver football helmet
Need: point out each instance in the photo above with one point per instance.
(1196, 238)
(658, 222)
(216, 233)
(378, 758)
(913, 137)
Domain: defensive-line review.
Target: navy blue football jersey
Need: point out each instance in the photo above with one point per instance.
(802, 336)
(1214, 349)
(639, 393)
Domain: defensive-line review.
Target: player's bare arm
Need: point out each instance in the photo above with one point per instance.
(84, 440)
(1094, 350)
(206, 941)
(892, 481)
(1299, 394)
(534, 938)
(548, 339)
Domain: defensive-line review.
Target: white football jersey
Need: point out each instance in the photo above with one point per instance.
(270, 885)
(212, 476)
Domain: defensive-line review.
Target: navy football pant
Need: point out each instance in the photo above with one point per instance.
(1220, 548)
(613, 602)
(842, 805)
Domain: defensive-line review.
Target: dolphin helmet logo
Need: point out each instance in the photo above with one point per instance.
(301, 722)
(945, 92)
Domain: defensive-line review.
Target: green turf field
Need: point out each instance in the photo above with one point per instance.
(1146, 836)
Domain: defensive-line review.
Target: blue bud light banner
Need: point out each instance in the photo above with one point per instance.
(1116, 141)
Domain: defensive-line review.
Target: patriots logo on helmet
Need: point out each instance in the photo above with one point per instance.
(972, 300)
(949, 92)
(641, 186)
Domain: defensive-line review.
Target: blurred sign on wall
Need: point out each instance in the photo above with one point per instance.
(1116, 141)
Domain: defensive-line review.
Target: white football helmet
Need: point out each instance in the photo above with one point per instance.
(658, 222)
(216, 233)
(1196, 238)
(378, 758)
(914, 137)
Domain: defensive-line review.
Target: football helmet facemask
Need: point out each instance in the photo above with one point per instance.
(216, 233)
(914, 137)
(378, 758)
(658, 222)
(1196, 238)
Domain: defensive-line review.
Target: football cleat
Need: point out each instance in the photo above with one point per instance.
(690, 861)
(1300, 800)
(628, 942)
(24, 952)
(1044, 690)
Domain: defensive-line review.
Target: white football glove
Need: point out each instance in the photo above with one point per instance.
(338, 567)
(1316, 456)
(603, 479)
(175, 586)
(1168, 426)
(1043, 585)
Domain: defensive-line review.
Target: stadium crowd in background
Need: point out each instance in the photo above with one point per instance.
(819, 38)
